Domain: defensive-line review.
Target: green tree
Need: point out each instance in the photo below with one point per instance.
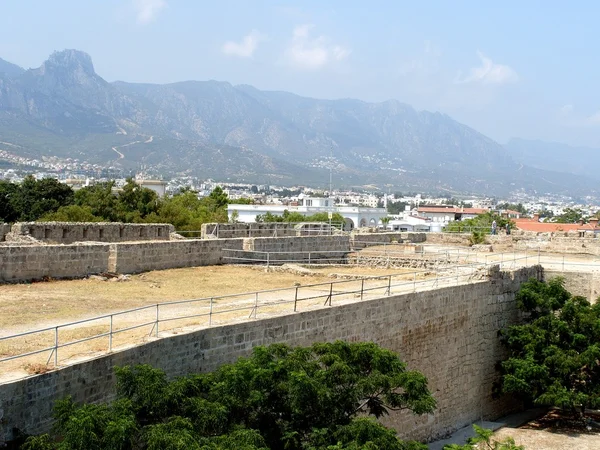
(482, 223)
(513, 207)
(101, 200)
(8, 212)
(569, 215)
(34, 198)
(134, 202)
(72, 213)
(483, 440)
(280, 397)
(554, 358)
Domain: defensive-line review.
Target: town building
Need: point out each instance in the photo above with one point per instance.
(354, 216)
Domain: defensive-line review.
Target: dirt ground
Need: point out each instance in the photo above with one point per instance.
(27, 306)
(550, 440)
(34, 306)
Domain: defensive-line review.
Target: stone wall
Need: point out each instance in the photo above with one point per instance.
(298, 249)
(449, 334)
(4, 229)
(35, 262)
(586, 284)
(269, 229)
(448, 238)
(137, 257)
(361, 240)
(69, 232)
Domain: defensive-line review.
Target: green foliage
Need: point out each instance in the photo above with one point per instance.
(100, 199)
(477, 237)
(396, 207)
(135, 203)
(242, 201)
(483, 440)
(554, 359)
(569, 215)
(71, 213)
(482, 223)
(513, 207)
(280, 397)
(33, 198)
(295, 217)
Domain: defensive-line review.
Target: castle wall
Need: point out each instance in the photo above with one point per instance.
(450, 334)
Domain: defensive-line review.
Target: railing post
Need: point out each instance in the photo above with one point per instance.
(210, 312)
(157, 312)
(110, 334)
(389, 289)
(268, 259)
(563, 263)
(330, 292)
(309, 258)
(296, 300)
(362, 287)
(55, 346)
(255, 304)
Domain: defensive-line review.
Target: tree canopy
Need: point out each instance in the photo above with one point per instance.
(295, 217)
(317, 397)
(554, 358)
(50, 200)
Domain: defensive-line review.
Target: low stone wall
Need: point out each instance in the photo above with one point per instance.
(35, 262)
(138, 257)
(270, 229)
(69, 232)
(361, 240)
(448, 238)
(449, 334)
(4, 230)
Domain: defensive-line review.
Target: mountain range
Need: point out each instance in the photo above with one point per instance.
(213, 129)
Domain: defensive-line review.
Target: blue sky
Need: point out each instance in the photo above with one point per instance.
(513, 68)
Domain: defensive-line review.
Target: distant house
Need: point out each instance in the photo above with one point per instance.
(449, 213)
(410, 223)
(354, 216)
(534, 224)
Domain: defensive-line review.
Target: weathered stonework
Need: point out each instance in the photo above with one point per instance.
(4, 230)
(69, 232)
(35, 262)
(450, 334)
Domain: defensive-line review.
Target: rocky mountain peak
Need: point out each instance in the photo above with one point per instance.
(71, 60)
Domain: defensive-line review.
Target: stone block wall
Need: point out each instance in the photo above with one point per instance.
(271, 229)
(361, 240)
(4, 230)
(449, 334)
(34, 262)
(137, 257)
(69, 232)
(586, 284)
(297, 249)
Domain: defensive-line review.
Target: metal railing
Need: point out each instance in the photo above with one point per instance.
(206, 312)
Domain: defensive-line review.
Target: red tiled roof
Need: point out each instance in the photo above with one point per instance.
(548, 227)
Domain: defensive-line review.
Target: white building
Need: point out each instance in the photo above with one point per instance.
(354, 216)
(412, 223)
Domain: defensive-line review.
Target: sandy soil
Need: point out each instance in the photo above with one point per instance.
(550, 440)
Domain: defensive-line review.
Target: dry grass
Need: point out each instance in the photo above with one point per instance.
(25, 307)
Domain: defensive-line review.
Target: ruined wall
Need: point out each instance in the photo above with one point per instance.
(269, 229)
(69, 232)
(361, 240)
(448, 238)
(586, 284)
(137, 257)
(299, 249)
(34, 262)
(449, 334)
(4, 229)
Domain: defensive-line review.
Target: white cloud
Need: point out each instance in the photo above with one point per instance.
(247, 46)
(307, 52)
(489, 73)
(147, 10)
(569, 116)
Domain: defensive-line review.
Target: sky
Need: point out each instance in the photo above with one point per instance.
(525, 69)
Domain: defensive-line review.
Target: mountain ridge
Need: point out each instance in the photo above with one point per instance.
(65, 108)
